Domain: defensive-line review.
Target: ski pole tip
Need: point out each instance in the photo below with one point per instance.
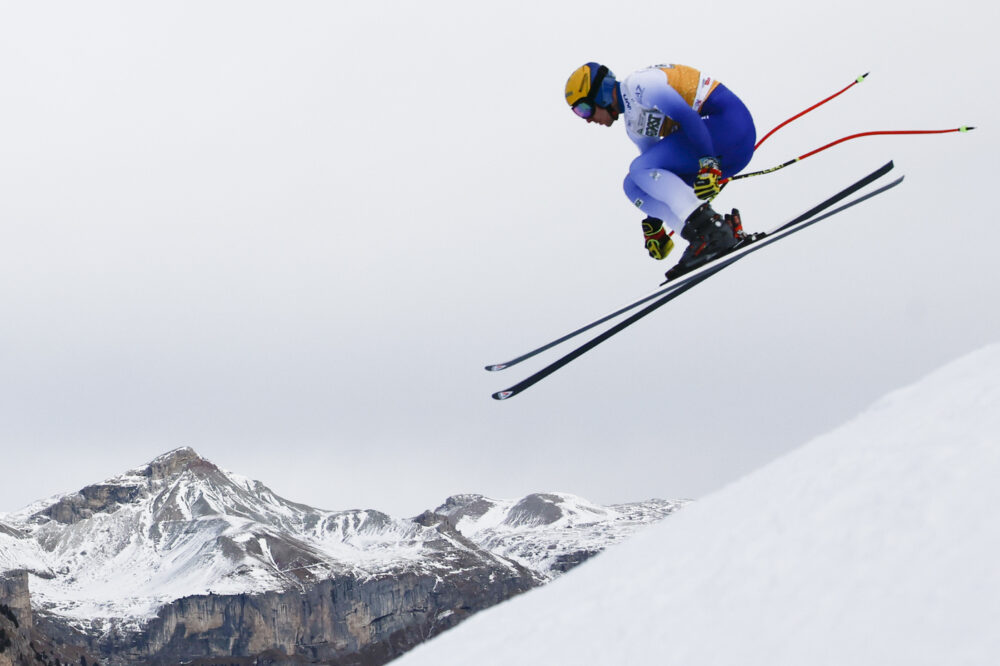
(863, 77)
(966, 128)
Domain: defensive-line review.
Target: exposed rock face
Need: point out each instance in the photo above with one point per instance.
(14, 595)
(90, 500)
(342, 621)
(469, 506)
(180, 561)
(533, 510)
(176, 461)
(21, 642)
(15, 645)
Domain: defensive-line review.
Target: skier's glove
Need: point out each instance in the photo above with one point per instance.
(658, 241)
(706, 185)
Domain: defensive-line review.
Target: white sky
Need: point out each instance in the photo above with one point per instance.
(290, 235)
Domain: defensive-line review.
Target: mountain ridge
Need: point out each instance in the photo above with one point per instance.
(127, 560)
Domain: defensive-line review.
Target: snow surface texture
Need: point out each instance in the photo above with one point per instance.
(110, 555)
(877, 543)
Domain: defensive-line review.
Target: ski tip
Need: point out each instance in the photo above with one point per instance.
(503, 395)
(496, 367)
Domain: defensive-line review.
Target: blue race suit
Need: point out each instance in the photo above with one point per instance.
(677, 115)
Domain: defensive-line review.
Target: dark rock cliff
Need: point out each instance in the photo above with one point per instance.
(343, 622)
(22, 643)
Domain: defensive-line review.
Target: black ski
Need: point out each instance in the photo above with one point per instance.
(686, 282)
(680, 281)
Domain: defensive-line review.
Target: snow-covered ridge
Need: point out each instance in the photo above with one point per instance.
(19, 551)
(549, 532)
(118, 550)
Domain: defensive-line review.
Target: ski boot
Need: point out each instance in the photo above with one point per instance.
(709, 236)
(658, 242)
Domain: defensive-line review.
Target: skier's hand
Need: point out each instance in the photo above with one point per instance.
(658, 242)
(706, 185)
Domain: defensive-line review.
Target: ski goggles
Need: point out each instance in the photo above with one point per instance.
(584, 108)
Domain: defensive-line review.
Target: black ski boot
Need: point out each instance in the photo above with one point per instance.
(709, 235)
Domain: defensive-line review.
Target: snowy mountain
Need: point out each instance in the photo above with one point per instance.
(875, 544)
(552, 532)
(118, 559)
(181, 526)
(19, 551)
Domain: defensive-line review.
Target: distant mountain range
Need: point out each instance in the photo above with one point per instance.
(181, 561)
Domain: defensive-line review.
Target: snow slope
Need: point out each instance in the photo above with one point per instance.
(877, 543)
(19, 551)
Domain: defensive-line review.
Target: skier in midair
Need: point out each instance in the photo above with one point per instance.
(692, 132)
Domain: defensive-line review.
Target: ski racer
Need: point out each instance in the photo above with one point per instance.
(691, 132)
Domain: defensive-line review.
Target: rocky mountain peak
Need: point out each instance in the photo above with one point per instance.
(547, 508)
(471, 506)
(175, 462)
(153, 479)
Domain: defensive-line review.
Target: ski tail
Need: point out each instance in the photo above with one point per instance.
(582, 349)
(583, 329)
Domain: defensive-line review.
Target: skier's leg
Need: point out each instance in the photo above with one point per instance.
(661, 194)
(731, 126)
(660, 180)
(650, 205)
(673, 153)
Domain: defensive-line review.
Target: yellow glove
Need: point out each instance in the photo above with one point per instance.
(658, 242)
(706, 185)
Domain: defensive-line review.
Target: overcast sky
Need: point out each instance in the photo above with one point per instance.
(290, 236)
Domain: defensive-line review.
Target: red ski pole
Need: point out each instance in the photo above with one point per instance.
(816, 105)
(964, 128)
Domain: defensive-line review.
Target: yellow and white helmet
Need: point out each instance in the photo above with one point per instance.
(590, 86)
